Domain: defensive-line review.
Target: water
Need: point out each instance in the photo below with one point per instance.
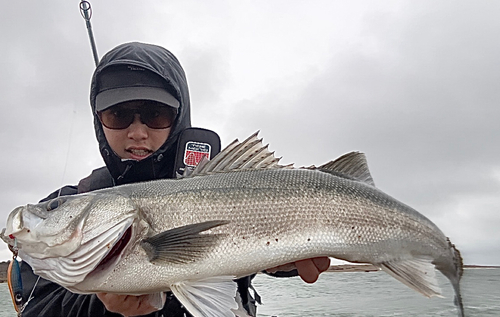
(375, 294)
(6, 307)
(359, 294)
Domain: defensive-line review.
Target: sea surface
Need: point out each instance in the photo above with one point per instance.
(346, 294)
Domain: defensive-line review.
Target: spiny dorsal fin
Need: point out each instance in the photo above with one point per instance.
(249, 154)
(351, 165)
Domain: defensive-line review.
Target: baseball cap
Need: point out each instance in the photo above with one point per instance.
(122, 83)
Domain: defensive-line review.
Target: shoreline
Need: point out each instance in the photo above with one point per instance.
(372, 268)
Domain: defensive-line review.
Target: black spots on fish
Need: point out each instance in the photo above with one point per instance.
(355, 232)
(308, 239)
(268, 243)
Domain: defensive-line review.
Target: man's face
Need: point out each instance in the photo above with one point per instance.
(142, 137)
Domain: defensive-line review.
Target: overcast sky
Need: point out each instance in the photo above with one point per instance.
(412, 84)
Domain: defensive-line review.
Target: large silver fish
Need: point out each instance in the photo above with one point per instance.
(236, 215)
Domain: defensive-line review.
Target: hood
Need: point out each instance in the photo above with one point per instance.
(160, 61)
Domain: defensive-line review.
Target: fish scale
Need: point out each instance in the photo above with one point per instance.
(261, 218)
(226, 221)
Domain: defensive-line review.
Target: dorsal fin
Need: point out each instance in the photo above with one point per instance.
(351, 165)
(249, 154)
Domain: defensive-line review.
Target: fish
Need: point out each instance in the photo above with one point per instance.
(238, 214)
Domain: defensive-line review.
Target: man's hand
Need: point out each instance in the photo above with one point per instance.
(309, 269)
(127, 305)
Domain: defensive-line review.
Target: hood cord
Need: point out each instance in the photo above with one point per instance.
(127, 168)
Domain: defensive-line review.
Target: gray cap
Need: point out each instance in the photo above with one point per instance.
(125, 83)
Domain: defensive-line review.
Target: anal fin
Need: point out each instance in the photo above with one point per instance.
(417, 273)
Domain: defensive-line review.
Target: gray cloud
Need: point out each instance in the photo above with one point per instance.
(411, 84)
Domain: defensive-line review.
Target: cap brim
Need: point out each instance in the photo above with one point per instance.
(111, 97)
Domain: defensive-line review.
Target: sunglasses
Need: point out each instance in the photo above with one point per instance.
(121, 116)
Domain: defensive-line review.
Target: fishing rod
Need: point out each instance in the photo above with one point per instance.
(14, 280)
(86, 12)
(193, 144)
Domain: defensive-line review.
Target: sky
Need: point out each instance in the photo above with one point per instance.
(412, 84)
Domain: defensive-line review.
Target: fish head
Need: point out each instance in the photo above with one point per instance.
(51, 228)
(66, 238)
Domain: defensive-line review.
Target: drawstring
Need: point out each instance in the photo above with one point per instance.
(127, 168)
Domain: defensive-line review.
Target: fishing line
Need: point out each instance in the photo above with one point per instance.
(86, 12)
(67, 151)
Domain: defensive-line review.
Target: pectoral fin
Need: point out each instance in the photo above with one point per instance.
(417, 273)
(183, 244)
(210, 297)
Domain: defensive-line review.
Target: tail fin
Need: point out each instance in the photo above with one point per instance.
(454, 271)
(459, 267)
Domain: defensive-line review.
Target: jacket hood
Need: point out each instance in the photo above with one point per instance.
(162, 62)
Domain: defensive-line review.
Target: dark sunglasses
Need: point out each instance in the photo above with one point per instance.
(121, 117)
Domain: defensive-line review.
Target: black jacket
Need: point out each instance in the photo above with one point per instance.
(50, 299)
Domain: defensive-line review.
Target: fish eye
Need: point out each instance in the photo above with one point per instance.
(55, 203)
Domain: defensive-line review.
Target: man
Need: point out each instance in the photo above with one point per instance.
(140, 101)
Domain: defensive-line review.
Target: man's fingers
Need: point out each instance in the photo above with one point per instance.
(307, 270)
(127, 305)
(322, 264)
(310, 269)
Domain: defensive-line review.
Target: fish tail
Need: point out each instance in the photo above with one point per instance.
(459, 269)
(457, 259)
